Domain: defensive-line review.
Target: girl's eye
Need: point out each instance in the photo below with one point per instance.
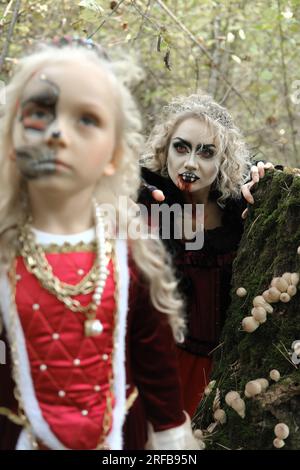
(88, 120)
(37, 118)
(180, 148)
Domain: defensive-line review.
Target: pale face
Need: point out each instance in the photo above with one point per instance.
(192, 161)
(64, 134)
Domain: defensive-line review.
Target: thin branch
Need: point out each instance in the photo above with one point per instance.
(7, 10)
(144, 15)
(106, 18)
(9, 33)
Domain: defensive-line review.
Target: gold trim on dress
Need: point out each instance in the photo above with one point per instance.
(131, 399)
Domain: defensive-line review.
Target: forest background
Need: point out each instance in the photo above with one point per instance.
(244, 53)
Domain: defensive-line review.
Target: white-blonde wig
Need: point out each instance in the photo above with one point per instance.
(235, 160)
(149, 255)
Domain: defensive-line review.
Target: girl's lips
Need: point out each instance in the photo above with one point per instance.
(60, 163)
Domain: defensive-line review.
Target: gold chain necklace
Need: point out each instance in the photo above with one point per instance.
(37, 264)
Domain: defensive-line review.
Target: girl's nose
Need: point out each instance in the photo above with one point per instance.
(56, 135)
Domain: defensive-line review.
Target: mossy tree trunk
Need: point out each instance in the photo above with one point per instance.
(268, 249)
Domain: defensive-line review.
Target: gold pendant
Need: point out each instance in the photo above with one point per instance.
(93, 327)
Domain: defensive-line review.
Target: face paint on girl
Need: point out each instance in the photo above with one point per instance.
(37, 112)
(65, 131)
(192, 161)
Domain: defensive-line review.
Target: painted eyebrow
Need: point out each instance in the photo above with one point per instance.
(42, 99)
(185, 142)
(204, 146)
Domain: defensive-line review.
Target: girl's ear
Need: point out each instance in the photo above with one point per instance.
(110, 168)
(12, 155)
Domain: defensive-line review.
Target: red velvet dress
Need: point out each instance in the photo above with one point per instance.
(204, 279)
(70, 373)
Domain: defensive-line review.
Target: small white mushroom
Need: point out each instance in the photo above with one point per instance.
(298, 250)
(259, 301)
(281, 431)
(280, 284)
(220, 416)
(287, 277)
(284, 297)
(241, 292)
(264, 384)
(278, 443)
(266, 296)
(274, 294)
(230, 396)
(208, 389)
(268, 308)
(253, 388)
(294, 278)
(239, 406)
(275, 375)
(274, 280)
(198, 434)
(292, 290)
(249, 324)
(260, 314)
(296, 345)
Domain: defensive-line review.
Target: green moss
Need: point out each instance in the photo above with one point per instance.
(268, 248)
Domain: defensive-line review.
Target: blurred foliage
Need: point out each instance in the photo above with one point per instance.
(242, 52)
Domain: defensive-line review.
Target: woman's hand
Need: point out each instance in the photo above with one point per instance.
(156, 193)
(257, 172)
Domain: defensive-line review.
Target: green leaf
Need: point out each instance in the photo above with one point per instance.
(266, 75)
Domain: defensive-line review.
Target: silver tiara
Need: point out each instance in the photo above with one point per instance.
(200, 104)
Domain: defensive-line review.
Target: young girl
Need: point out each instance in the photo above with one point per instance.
(196, 155)
(87, 320)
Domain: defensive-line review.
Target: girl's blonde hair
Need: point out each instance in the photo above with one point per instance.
(235, 160)
(149, 255)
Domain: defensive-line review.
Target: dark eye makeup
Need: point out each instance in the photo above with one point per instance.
(36, 117)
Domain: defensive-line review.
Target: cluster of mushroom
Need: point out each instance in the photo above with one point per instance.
(234, 400)
(281, 290)
(255, 387)
(252, 388)
(281, 431)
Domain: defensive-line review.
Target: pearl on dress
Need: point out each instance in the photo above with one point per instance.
(43, 367)
(76, 362)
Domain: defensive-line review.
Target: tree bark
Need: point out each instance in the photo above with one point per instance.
(268, 248)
